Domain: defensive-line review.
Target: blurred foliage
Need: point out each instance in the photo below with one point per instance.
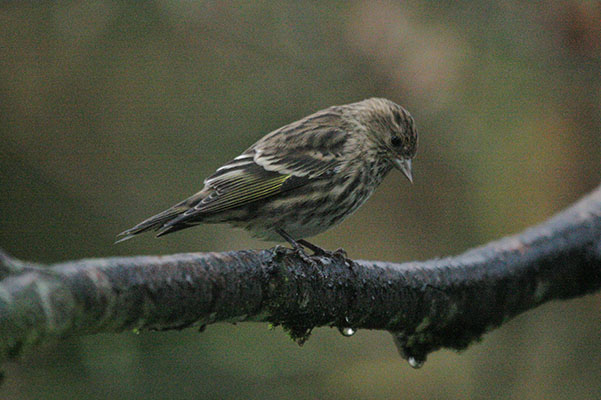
(111, 111)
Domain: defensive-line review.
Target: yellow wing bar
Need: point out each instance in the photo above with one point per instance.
(247, 190)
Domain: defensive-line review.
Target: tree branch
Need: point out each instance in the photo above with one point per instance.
(446, 302)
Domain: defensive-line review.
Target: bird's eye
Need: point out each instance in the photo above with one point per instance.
(396, 141)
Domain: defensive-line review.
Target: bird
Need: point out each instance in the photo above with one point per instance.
(303, 178)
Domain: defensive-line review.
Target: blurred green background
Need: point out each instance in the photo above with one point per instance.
(111, 111)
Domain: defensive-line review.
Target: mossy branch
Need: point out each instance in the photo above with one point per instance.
(427, 305)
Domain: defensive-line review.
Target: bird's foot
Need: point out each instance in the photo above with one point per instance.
(299, 252)
(340, 252)
(304, 256)
(318, 251)
(299, 245)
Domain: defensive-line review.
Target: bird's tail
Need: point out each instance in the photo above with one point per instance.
(162, 222)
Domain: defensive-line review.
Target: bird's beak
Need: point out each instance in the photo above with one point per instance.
(404, 165)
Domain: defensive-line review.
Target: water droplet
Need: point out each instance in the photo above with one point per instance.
(415, 363)
(347, 331)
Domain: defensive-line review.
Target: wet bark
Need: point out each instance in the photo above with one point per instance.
(447, 302)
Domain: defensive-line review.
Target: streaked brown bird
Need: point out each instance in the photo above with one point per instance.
(303, 178)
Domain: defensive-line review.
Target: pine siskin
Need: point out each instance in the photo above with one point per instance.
(303, 178)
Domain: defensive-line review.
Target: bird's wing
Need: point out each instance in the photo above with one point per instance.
(283, 160)
(242, 185)
(310, 147)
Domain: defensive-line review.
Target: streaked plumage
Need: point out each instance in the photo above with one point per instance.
(303, 178)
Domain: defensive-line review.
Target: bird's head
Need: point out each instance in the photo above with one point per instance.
(391, 129)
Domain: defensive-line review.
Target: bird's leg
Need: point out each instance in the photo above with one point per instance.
(296, 245)
(318, 251)
(314, 248)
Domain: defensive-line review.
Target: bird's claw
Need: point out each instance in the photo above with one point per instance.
(305, 257)
(301, 244)
(340, 253)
